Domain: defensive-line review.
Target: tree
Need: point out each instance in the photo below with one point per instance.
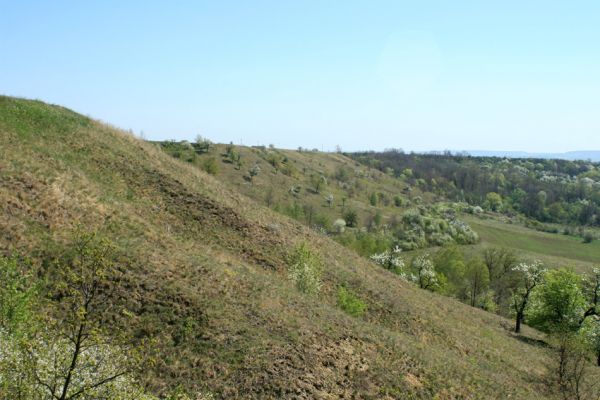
(571, 366)
(530, 275)
(71, 354)
(494, 201)
(449, 262)
(202, 144)
(477, 279)
(591, 291)
(425, 275)
(590, 329)
(503, 279)
(390, 259)
(556, 306)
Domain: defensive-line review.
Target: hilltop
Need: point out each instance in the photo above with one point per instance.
(206, 272)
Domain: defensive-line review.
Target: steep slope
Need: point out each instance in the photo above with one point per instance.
(207, 276)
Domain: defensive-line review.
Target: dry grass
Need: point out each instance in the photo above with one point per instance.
(201, 254)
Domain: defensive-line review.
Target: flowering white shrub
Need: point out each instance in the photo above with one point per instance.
(424, 272)
(37, 369)
(390, 259)
(339, 225)
(305, 270)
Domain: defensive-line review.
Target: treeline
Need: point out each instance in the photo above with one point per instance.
(557, 191)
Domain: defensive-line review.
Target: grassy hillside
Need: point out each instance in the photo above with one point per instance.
(206, 273)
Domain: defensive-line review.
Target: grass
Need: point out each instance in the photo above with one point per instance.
(554, 249)
(206, 253)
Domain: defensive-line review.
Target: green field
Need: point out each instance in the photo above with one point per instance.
(553, 249)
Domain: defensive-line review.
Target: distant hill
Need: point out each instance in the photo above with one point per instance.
(592, 155)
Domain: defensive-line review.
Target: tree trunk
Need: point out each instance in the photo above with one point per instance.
(518, 322)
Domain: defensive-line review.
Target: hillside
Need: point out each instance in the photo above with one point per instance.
(201, 254)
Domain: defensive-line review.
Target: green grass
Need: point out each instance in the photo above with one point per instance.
(553, 248)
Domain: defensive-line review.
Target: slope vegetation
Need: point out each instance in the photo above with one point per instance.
(207, 277)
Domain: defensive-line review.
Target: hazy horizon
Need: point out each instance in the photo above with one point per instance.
(362, 75)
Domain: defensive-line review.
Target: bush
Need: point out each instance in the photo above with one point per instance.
(305, 269)
(588, 237)
(16, 296)
(210, 166)
(351, 218)
(398, 201)
(339, 226)
(350, 302)
(373, 199)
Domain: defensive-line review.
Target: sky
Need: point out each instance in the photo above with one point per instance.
(364, 75)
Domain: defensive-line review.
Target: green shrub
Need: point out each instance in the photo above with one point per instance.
(351, 218)
(350, 302)
(210, 166)
(17, 294)
(398, 201)
(373, 199)
(305, 269)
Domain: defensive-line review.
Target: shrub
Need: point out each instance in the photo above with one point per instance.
(390, 259)
(351, 218)
(252, 172)
(588, 237)
(398, 201)
(210, 166)
(16, 296)
(339, 226)
(305, 269)
(373, 199)
(350, 302)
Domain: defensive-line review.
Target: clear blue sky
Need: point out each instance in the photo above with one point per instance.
(421, 75)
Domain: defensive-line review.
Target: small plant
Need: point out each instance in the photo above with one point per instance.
(350, 302)
(588, 237)
(305, 269)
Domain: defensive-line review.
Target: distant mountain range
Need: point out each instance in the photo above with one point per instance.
(593, 155)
